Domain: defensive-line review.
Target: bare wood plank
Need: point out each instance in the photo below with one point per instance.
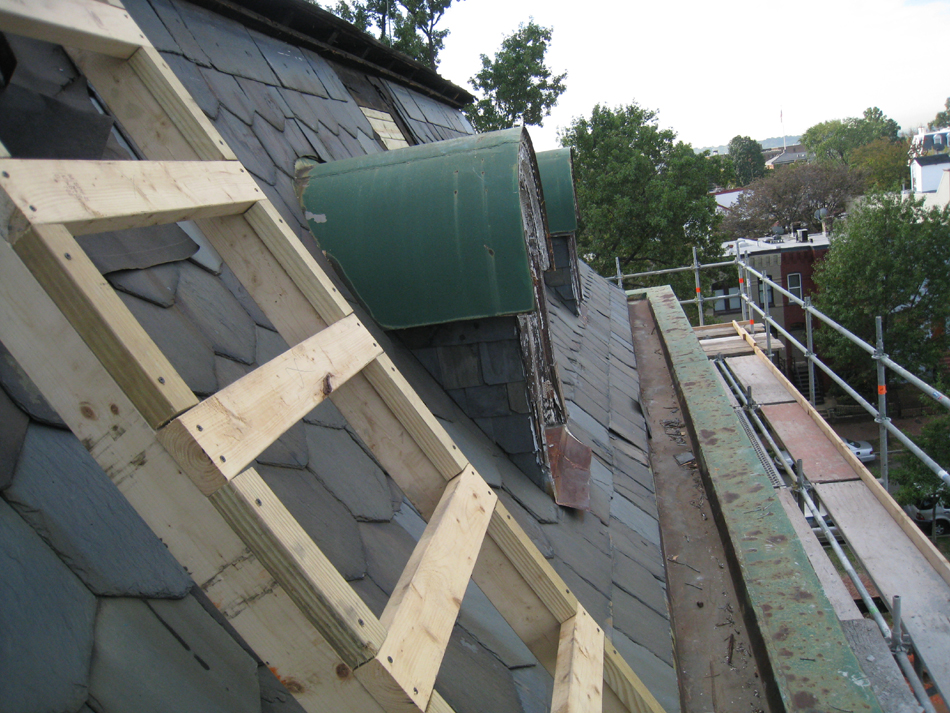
(71, 378)
(425, 602)
(531, 564)
(262, 521)
(221, 436)
(85, 24)
(837, 594)
(626, 684)
(821, 460)
(155, 132)
(724, 330)
(579, 678)
(96, 196)
(920, 540)
(887, 681)
(107, 326)
(751, 372)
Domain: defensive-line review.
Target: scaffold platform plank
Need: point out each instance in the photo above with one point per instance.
(751, 371)
(821, 460)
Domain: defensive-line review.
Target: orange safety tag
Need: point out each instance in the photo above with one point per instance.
(740, 280)
(881, 389)
(697, 289)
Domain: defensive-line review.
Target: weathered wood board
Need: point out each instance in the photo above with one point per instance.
(803, 439)
(766, 389)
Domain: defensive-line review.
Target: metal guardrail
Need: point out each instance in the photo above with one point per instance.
(876, 352)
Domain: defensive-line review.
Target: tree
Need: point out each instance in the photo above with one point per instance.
(722, 172)
(516, 86)
(942, 119)
(916, 482)
(889, 258)
(405, 25)
(642, 196)
(883, 163)
(835, 140)
(747, 159)
(791, 197)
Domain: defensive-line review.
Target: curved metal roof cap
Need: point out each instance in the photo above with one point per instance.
(428, 234)
(557, 178)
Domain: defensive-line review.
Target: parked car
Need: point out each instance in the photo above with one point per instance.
(922, 512)
(862, 449)
(783, 455)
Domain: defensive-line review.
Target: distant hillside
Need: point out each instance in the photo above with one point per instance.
(774, 142)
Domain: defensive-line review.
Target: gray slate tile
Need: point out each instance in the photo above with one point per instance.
(216, 313)
(137, 248)
(309, 110)
(155, 284)
(372, 596)
(278, 148)
(15, 422)
(328, 76)
(189, 74)
(226, 43)
(370, 146)
(535, 688)
(244, 298)
(388, 547)
(637, 581)
(472, 680)
(635, 518)
(541, 506)
(460, 366)
(501, 361)
(23, 392)
(269, 345)
(189, 663)
(326, 414)
(350, 474)
(594, 601)
(173, 22)
(229, 93)
(245, 145)
(151, 25)
(64, 495)
(637, 548)
(266, 101)
(289, 64)
(487, 458)
(659, 676)
(321, 150)
(531, 526)
(642, 625)
(321, 515)
(479, 618)
(46, 624)
(513, 433)
(275, 698)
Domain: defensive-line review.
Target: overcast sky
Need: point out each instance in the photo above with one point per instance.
(713, 70)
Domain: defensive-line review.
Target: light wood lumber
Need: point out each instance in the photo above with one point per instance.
(723, 330)
(628, 687)
(425, 602)
(222, 435)
(579, 677)
(262, 521)
(920, 540)
(85, 24)
(96, 196)
(105, 323)
(91, 403)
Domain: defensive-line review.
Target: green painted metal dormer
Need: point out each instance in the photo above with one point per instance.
(557, 178)
(436, 233)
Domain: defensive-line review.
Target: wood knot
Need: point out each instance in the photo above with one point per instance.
(327, 384)
(88, 412)
(343, 671)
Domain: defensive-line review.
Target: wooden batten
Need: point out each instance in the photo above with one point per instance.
(425, 602)
(85, 24)
(97, 196)
(105, 323)
(626, 685)
(579, 678)
(222, 435)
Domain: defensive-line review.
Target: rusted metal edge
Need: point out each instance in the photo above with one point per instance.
(799, 643)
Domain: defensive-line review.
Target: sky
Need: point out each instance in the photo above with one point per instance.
(714, 70)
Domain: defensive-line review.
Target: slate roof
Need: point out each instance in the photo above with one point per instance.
(91, 593)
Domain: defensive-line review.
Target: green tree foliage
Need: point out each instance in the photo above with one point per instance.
(747, 159)
(516, 86)
(889, 258)
(835, 140)
(722, 172)
(942, 119)
(915, 480)
(642, 195)
(790, 197)
(405, 25)
(883, 163)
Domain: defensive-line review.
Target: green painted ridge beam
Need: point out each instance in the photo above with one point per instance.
(810, 666)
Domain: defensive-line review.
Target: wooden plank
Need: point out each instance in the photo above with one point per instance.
(185, 134)
(724, 330)
(897, 567)
(262, 521)
(85, 24)
(96, 196)
(579, 677)
(803, 439)
(750, 371)
(628, 687)
(837, 593)
(425, 602)
(887, 681)
(221, 436)
(91, 403)
(106, 325)
(920, 540)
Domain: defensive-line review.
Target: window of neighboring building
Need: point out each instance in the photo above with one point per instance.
(729, 301)
(794, 280)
